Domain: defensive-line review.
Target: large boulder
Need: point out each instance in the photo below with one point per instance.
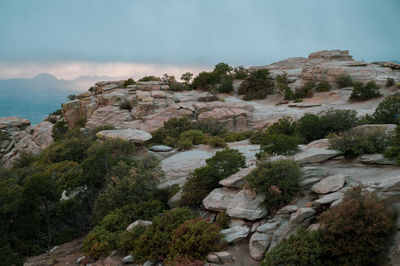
(329, 184)
(137, 136)
(109, 115)
(236, 233)
(259, 243)
(244, 206)
(219, 199)
(178, 167)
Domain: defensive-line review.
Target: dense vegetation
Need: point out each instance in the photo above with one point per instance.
(97, 177)
(257, 85)
(363, 92)
(278, 181)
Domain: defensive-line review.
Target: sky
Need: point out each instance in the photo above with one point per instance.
(70, 38)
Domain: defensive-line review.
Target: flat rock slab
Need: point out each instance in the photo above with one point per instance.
(178, 167)
(329, 198)
(244, 206)
(160, 148)
(329, 184)
(137, 136)
(315, 155)
(374, 159)
(219, 199)
(238, 179)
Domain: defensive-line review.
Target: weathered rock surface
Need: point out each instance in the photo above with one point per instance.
(244, 206)
(329, 184)
(219, 199)
(235, 234)
(134, 135)
(238, 179)
(259, 243)
(160, 148)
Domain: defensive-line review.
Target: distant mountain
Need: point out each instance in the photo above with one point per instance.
(34, 98)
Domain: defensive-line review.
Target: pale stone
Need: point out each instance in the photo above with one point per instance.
(137, 136)
(244, 206)
(219, 199)
(329, 184)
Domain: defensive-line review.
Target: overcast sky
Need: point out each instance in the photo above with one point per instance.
(89, 37)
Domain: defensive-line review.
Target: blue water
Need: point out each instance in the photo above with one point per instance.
(32, 105)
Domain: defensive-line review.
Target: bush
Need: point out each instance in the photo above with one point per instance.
(189, 138)
(289, 94)
(277, 180)
(388, 111)
(240, 72)
(226, 85)
(237, 136)
(344, 80)
(363, 92)
(223, 164)
(216, 142)
(323, 86)
(171, 131)
(307, 91)
(359, 141)
(303, 248)
(128, 82)
(128, 184)
(390, 82)
(98, 243)
(59, 130)
(281, 82)
(257, 85)
(356, 230)
(149, 78)
(179, 261)
(277, 144)
(124, 239)
(223, 220)
(194, 239)
(9, 256)
(313, 127)
(154, 243)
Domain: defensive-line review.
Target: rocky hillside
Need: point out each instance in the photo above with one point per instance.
(255, 228)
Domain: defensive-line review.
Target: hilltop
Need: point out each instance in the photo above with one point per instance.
(325, 124)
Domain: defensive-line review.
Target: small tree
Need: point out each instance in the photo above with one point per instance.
(186, 77)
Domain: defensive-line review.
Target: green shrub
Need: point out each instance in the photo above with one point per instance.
(226, 85)
(189, 138)
(170, 132)
(323, 86)
(311, 127)
(98, 243)
(128, 82)
(216, 142)
(277, 144)
(257, 85)
(393, 151)
(289, 94)
(149, 78)
(210, 126)
(359, 141)
(124, 239)
(223, 164)
(277, 180)
(182, 261)
(9, 256)
(128, 184)
(390, 82)
(209, 80)
(237, 136)
(154, 243)
(356, 230)
(388, 111)
(240, 72)
(72, 149)
(223, 220)
(59, 130)
(303, 248)
(363, 92)
(307, 91)
(344, 80)
(284, 125)
(281, 82)
(194, 239)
